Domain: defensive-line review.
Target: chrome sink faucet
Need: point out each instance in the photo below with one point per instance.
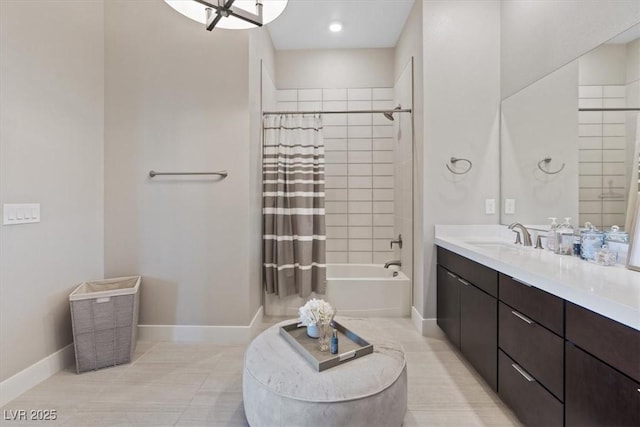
(525, 234)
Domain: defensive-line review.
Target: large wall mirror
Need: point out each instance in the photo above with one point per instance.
(570, 144)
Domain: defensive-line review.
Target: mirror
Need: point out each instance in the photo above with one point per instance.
(569, 142)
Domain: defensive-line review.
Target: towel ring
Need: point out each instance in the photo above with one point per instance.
(547, 160)
(454, 160)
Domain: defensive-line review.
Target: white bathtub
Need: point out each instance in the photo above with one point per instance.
(364, 290)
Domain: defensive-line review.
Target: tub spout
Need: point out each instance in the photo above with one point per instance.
(394, 262)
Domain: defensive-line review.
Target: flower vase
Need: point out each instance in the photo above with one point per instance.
(323, 340)
(313, 331)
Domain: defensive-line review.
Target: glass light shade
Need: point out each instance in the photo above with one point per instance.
(271, 9)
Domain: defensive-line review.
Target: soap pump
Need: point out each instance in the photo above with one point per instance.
(552, 235)
(565, 237)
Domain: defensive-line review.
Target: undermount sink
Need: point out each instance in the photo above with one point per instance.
(493, 244)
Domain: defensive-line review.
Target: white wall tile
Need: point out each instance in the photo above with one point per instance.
(383, 144)
(614, 156)
(614, 117)
(383, 219)
(335, 207)
(360, 232)
(360, 156)
(337, 258)
(334, 94)
(359, 94)
(380, 120)
(590, 130)
(360, 144)
(614, 130)
(385, 195)
(588, 117)
(360, 169)
(335, 182)
(337, 232)
(614, 207)
(335, 131)
(360, 207)
(383, 105)
(590, 168)
(286, 106)
(618, 91)
(590, 181)
(613, 219)
(310, 105)
(614, 103)
(589, 194)
(590, 91)
(359, 131)
(337, 245)
(360, 182)
(335, 195)
(383, 182)
(334, 105)
(590, 207)
(287, 95)
(360, 245)
(335, 156)
(334, 119)
(383, 157)
(309, 94)
(613, 168)
(382, 245)
(360, 257)
(359, 119)
(383, 207)
(613, 142)
(382, 257)
(590, 103)
(383, 131)
(590, 155)
(333, 220)
(616, 181)
(358, 105)
(335, 169)
(383, 232)
(335, 144)
(360, 195)
(590, 142)
(380, 169)
(382, 93)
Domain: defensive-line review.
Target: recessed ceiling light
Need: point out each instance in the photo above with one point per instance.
(335, 27)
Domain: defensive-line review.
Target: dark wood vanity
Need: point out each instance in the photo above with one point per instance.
(551, 361)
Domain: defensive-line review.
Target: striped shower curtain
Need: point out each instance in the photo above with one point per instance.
(293, 205)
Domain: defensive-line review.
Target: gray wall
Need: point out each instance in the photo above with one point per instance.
(51, 152)
(177, 99)
(538, 36)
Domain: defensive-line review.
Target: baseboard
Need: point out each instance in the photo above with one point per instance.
(29, 377)
(426, 327)
(199, 333)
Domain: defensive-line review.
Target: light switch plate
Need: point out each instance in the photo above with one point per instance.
(20, 213)
(509, 206)
(490, 206)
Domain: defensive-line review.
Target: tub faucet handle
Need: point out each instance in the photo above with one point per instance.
(398, 241)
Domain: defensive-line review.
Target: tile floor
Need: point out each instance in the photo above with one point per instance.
(181, 384)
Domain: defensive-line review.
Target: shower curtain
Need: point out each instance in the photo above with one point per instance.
(293, 205)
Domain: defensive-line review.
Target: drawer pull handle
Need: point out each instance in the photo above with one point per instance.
(522, 317)
(464, 282)
(521, 282)
(452, 275)
(523, 373)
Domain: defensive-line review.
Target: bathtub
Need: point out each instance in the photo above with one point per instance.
(363, 290)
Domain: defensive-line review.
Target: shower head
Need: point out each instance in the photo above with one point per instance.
(389, 114)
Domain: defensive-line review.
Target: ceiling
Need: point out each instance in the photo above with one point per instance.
(304, 24)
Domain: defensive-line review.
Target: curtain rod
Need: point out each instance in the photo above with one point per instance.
(608, 109)
(271, 113)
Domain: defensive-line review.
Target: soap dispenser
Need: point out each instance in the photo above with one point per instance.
(552, 235)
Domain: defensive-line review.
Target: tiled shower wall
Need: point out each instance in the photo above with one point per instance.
(603, 186)
(359, 170)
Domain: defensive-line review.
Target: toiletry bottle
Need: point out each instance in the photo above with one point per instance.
(565, 237)
(334, 342)
(552, 235)
(591, 240)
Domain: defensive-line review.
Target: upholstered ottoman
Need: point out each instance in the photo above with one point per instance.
(280, 388)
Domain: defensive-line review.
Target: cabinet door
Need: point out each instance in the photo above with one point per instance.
(596, 394)
(479, 331)
(448, 309)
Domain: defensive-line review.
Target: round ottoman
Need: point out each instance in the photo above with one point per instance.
(280, 388)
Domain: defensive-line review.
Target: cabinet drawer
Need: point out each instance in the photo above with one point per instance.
(481, 276)
(448, 305)
(598, 395)
(536, 349)
(533, 405)
(610, 341)
(540, 306)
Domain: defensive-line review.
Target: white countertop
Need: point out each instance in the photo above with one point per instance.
(613, 292)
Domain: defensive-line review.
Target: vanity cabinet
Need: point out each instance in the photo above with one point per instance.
(467, 311)
(602, 370)
(531, 366)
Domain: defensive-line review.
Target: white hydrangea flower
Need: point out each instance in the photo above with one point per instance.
(315, 311)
